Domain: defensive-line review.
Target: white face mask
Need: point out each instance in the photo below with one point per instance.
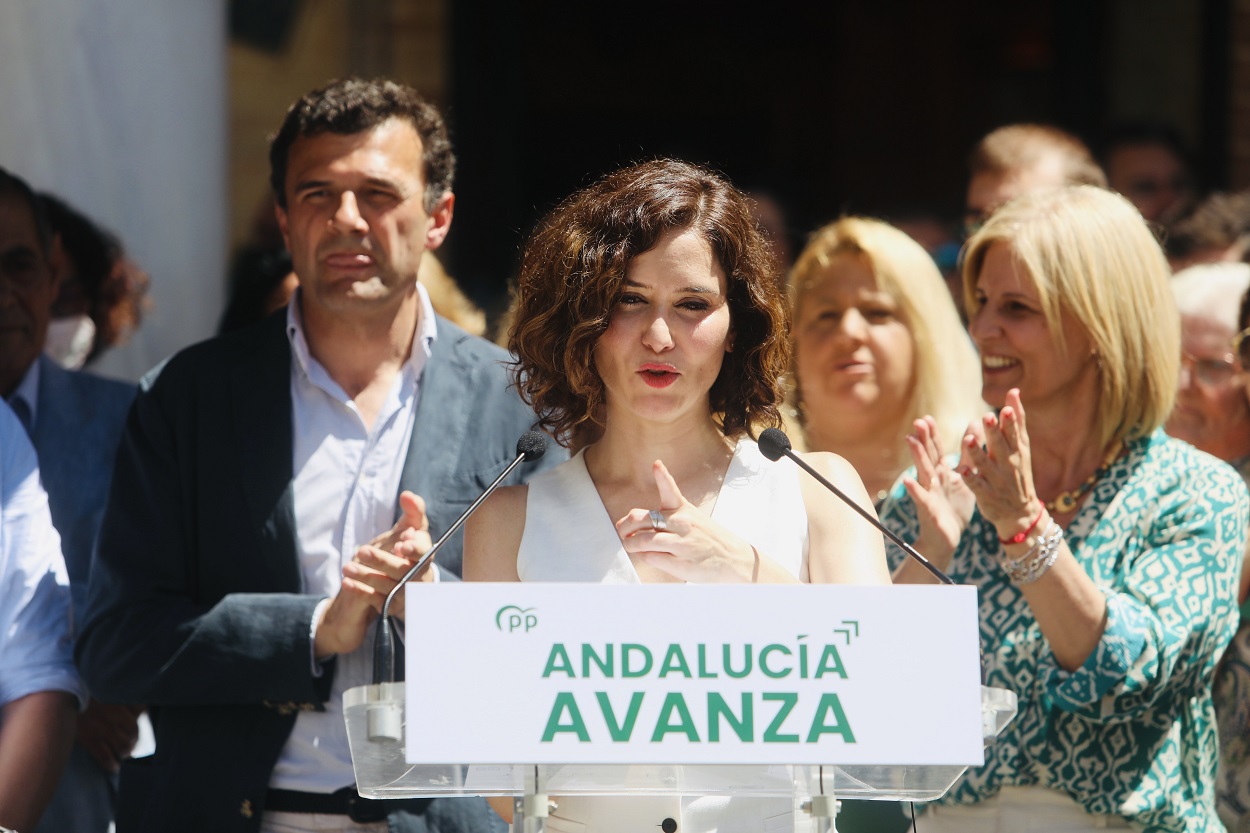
(69, 340)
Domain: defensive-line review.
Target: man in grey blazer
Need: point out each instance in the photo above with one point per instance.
(74, 421)
(231, 591)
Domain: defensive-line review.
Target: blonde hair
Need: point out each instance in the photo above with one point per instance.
(947, 373)
(1089, 253)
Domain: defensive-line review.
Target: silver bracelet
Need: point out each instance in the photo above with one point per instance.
(1040, 557)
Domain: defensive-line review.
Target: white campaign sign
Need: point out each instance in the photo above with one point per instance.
(688, 674)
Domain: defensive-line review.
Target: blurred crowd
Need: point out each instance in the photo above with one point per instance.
(1050, 397)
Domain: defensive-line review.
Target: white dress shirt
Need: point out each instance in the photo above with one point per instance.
(346, 485)
(36, 648)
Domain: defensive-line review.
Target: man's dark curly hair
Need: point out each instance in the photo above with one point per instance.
(353, 106)
(572, 273)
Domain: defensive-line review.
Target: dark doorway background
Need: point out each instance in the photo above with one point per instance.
(866, 106)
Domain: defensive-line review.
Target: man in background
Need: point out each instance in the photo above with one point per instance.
(39, 689)
(1022, 158)
(75, 421)
(233, 589)
(1149, 164)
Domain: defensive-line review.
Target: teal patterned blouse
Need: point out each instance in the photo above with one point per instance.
(1132, 732)
(1231, 692)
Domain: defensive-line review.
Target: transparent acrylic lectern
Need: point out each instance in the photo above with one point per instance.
(376, 725)
(803, 694)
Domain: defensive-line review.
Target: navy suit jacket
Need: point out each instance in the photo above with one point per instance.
(196, 604)
(80, 421)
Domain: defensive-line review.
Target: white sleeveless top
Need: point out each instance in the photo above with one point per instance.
(570, 537)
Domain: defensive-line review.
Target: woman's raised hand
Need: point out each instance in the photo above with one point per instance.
(944, 503)
(687, 544)
(997, 466)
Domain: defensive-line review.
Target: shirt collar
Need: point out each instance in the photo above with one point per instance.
(28, 392)
(426, 333)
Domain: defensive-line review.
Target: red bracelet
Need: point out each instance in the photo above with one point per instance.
(1019, 537)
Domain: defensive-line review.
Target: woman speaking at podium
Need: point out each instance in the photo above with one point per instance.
(651, 335)
(1106, 553)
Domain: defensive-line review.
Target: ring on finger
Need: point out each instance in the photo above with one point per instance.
(658, 523)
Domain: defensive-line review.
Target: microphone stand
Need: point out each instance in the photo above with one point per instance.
(385, 718)
(531, 446)
(774, 445)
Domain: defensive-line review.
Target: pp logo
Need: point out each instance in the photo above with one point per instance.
(511, 619)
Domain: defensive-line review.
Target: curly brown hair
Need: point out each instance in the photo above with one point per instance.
(573, 269)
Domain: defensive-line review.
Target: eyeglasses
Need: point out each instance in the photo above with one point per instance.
(1241, 348)
(1209, 372)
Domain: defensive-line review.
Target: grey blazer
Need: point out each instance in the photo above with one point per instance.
(195, 603)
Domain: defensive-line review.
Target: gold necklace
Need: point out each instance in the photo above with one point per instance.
(1065, 502)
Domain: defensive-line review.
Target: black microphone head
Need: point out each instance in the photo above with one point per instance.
(773, 443)
(532, 445)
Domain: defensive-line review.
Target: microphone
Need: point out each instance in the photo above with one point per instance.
(774, 445)
(531, 446)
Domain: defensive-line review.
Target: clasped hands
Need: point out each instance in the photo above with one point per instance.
(691, 546)
(994, 474)
(370, 576)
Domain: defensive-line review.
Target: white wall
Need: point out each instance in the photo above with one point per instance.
(120, 106)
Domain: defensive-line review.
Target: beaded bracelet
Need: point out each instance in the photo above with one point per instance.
(1031, 566)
